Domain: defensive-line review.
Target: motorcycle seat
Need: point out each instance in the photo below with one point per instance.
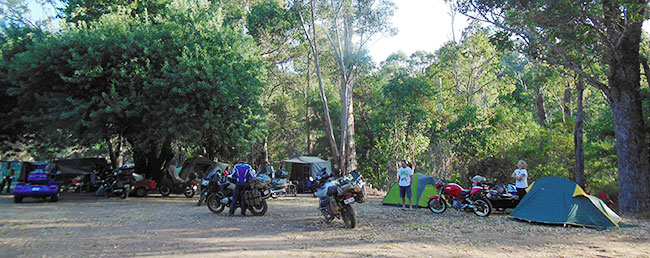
(464, 192)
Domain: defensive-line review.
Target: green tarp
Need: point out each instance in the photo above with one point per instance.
(555, 200)
(422, 188)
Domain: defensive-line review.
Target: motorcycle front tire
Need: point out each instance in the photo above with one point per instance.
(165, 190)
(349, 217)
(259, 210)
(189, 192)
(437, 206)
(202, 198)
(214, 204)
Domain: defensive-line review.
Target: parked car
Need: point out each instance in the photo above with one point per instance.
(36, 181)
(143, 186)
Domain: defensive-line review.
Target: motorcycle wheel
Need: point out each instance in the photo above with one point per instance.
(437, 206)
(202, 198)
(259, 210)
(124, 194)
(349, 217)
(482, 207)
(165, 190)
(107, 192)
(189, 192)
(214, 204)
(141, 192)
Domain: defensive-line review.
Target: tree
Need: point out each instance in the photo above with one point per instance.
(201, 88)
(349, 27)
(91, 10)
(588, 38)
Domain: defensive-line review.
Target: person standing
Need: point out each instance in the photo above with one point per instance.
(521, 178)
(405, 177)
(3, 173)
(8, 178)
(241, 172)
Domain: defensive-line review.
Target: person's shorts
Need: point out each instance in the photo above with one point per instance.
(405, 190)
(521, 192)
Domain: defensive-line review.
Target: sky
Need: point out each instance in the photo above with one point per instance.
(422, 25)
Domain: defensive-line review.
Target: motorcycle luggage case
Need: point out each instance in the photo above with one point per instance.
(345, 189)
(361, 195)
(253, 198)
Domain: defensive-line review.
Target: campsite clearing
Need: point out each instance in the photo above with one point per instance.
(87, 226)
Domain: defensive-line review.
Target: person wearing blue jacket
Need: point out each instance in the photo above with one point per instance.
(241, 172)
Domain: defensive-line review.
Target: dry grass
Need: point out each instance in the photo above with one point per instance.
(173, 227)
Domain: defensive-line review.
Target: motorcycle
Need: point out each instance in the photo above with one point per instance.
(209, 184)
(453, 195)
(336, 196)
(118, 183)
(255, 195)
(501, 197)
(178, 186)
(281, 184)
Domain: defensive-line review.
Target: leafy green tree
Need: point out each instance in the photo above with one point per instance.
(589, 38)
(170, 81)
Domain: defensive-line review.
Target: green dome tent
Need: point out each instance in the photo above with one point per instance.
(555, 200)
(422, 188)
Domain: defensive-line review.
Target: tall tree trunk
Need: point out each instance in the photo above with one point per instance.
(631, 145)
(566, 110)
(578, 134)
(351, 148)
(266, 152)
(307, 120)
(153, 161)
(326, 112)
(115, 151)
(539, 106)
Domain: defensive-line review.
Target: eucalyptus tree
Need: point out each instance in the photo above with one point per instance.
(598, 40)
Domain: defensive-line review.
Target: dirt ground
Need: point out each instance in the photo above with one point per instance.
(87, 226)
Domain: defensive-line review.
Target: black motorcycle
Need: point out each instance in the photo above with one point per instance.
(119, 183)
(209, 185)
(336, 196)
(255, 195)
(501, 196)
(280, 184)
(170, 185)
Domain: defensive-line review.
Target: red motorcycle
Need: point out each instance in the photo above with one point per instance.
(453, 195)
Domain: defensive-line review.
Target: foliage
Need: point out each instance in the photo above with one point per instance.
(201, 88)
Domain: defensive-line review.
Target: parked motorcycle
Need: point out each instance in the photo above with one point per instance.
(453, 195)
(209, 184)
(336, 196)
(174, 185)
(255, 196)
(281, 184)
(501, 196)
(119, 183)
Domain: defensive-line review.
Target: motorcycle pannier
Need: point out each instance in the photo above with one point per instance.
(345, 189)
(253, 198)
(361, 195)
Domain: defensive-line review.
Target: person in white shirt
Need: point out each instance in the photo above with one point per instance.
(405, 177)
(521, 178)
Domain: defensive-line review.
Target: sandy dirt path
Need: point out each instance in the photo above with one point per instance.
(87, 226)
